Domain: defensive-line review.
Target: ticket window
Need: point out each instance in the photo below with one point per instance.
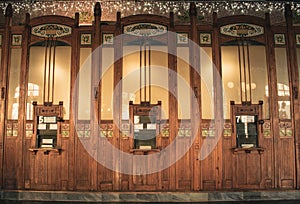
(144, 132)
(47, 132)
(246, 131)
(145, 118)
(47, 119)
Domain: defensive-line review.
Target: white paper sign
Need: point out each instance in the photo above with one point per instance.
(53, 127)
(42, 126)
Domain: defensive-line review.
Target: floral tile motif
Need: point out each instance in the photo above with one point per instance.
(16, 40)
(86, 39)
(205, 38)
(182, 38)
(279, 39)
(108, 38)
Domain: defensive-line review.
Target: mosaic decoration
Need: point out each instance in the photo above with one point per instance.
(106, 130)
(9, 130)
(83, 129)
(227, 130)
(208, 130)
(108, 39)
(125, 130)
(87, 130)
(12, 129)
(182, 38)
(285, 129)
(165, 131)
(86, 39)
(279, 39)
(242, 30)
(185, 129)
(51, 30)
(297, 39)
(65, 130)
(16, 40)
(267, 129)
(205, 38)
(29, 129)
(145, 29)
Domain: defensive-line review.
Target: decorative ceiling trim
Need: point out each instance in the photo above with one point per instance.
(51, 30)
(145, 29)
(242, 30)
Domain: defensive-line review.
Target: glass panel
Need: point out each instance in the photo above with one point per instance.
(183, 82)
(282, 84)
(14, 81)
(230, 77)
(159, 78)
(62, 78)
(131, 78)
(206, 70)
(84, 99)
(259, 77)
(107, 83)
(36, 78)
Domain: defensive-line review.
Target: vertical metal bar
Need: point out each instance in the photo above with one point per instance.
(244, 65)
(149, 55)
(141, 71)
(49, 70)
(240, 69)
(249, 72)
(45, 69)
(145, 72)
(53, 68)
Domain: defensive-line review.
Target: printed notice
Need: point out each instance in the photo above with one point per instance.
(53, 127)
(42, 127)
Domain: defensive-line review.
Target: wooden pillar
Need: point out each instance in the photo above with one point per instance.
(22, 104)
(75, 66)
(218, 100)
(272, 84)
(4, 81)
(172, 86)
(94, 93)
(294, 84)
(117, 97)
(195, 82)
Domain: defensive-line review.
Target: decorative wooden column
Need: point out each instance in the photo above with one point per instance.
(172, 86)
(22, 104)
(117, 97)
(75, 66)
(272, 83)
(294, 84)
(218, 100)
(195, 82)
(4, 81)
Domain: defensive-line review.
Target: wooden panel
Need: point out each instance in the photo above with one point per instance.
(286, 164)
(45, 171)
(82, 167)
(105, 154)
(248, 169)
(209, 166)
(9, 164)
(184, 167)
(241, 169)
(253, 168)
(227, 173)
